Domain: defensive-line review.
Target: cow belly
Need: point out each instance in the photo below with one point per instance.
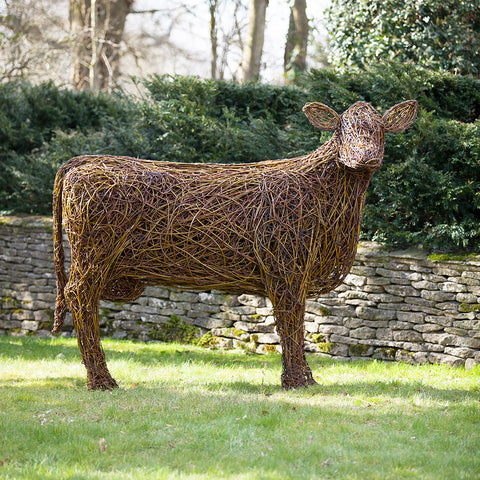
(195, 267)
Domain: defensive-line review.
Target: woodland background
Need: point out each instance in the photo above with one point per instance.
(115, 76)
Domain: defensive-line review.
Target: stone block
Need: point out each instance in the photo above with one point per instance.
(240, 310)
(22, 315)
(311, 327)
(353, 294)
(30, 325)
(252, 300)
(264, 311)
(253, 327)
(442, 320)
(157, 292)
(467, 324)
(437, 296)
(362, 271)
(407, 336)
(384, 353)
(268, 338)
(440, 338)
(462, 352)
(468, 298)
(209, 323)
(471, 363)
(363, 333)
(342, 339)
(445, 359)
(402, 290)
(399, 274)
(352, 322)
(384, 298)
(411, 357)
(453, 287)
(471, 274)
(425, 285)
(359, 350)
(178, 296)
(317, 308)
(397, 325)
(211, 298)
(412, 317)
(384, 334)
(332, 329)
(379, 281)
(369, 313)
(427, 328)
(355, 280)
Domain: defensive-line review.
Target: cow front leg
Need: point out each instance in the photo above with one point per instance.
(290, 326)
(83, 300)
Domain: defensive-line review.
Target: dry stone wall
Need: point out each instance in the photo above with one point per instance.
(393, 306)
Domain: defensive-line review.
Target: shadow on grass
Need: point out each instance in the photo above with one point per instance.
(176, 355)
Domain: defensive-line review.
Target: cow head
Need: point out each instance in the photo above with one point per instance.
(361, 130)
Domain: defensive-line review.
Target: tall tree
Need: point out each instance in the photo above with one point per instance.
(295, 57)
(32, 40)
(97, 27)
(253, 47)
(441, 34)
(212, 4)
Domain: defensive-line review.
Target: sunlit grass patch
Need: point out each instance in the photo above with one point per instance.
(186, 412)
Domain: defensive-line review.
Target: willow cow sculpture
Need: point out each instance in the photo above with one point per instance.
(287, 229)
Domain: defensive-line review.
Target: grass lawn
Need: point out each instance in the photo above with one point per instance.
(189, 413)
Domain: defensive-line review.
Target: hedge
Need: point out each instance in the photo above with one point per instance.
(427, 192)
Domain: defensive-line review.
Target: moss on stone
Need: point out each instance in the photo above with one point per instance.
(325, 347)
(105, 312)
(207, 341)
(388, 353)
(469, 307)
(358, 350)
(9, 302)
(324, 311)
(270, 348)
(237, 332)
(452, 257)
(175, 330)
(316, 337)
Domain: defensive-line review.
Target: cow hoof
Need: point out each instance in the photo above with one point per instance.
(297, 381)
(102, 384)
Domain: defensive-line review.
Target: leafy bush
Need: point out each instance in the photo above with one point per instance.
(426, 192)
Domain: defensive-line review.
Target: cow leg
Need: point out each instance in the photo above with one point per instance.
(290, 326)
(83, 298)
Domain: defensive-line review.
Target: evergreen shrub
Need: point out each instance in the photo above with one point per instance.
(426, 192)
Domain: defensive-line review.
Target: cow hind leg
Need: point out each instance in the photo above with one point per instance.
(290, 326)
(83, 299)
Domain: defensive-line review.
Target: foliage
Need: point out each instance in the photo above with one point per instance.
(29, 118)
(186, 412)
(440, 34)
(426, 192)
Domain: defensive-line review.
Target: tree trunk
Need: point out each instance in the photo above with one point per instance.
(295, 57)
(252, 52)
(97, 27)
(213, 37)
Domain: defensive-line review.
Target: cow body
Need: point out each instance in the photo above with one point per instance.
(287, 229)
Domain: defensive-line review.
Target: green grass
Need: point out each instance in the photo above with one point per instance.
(188, 413)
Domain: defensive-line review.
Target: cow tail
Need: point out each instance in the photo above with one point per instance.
(59, 253)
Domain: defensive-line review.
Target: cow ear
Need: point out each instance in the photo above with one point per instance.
(321, 116)
(400, 116)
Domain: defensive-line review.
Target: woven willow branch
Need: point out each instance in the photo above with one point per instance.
(287, 229)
